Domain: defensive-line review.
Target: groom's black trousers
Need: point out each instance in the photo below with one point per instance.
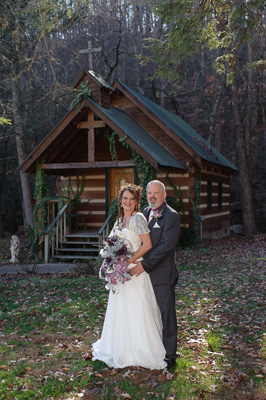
(165, 296)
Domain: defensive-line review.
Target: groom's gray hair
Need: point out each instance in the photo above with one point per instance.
(158, 182)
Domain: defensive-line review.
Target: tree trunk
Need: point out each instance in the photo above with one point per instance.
(245, 187)
(24, 179)
(3, 182)
(1, 225)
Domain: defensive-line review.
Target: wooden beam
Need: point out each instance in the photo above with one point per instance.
(91, 124)
(101, 164)
(91, 138)
(91, 145)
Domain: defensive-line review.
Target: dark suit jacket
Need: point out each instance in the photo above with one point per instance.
(159, 262)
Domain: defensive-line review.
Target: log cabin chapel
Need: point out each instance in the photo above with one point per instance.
(79, 142)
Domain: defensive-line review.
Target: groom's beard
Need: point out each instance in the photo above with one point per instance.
(153, 204)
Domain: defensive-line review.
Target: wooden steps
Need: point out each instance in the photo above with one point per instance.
(79, 245)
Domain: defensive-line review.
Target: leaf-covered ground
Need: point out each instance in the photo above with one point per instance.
(47, 324)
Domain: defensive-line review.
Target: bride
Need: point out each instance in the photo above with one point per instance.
(132, 330)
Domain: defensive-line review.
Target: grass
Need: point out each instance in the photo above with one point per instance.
(47, 325)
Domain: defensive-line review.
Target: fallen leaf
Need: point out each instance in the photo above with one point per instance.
(89, 355)
(210, 347)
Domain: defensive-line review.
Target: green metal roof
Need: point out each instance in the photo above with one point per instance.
(101, 80)
(184, 131)
(140, 136)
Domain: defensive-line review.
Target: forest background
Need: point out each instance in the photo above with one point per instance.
(200, 59)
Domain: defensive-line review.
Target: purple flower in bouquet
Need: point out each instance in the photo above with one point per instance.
(114, 269)
(111, 241)
(108, 260)
(122, 251)
(121, 267)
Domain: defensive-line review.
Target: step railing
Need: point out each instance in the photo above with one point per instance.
(55, 233)
(104, 231)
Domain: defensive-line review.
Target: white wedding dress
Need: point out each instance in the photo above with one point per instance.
(132, 330)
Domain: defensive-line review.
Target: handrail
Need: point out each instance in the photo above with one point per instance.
(61, 212)
(103, 232)
(55, 232)
(104, 224)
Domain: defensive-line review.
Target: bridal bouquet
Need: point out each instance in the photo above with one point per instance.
(114, 269)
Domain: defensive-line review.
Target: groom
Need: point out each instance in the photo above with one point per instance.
(159, 262)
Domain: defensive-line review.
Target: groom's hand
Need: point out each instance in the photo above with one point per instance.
(137, 270)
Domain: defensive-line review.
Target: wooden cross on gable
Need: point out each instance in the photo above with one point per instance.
(90, 50)
(91, 124)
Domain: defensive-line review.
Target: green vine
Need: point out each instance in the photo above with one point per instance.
(147, 173)
(82, 93)
(111, 137)
(40, 212)
(40, 208)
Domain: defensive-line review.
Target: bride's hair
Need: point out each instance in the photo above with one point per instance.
(136, 191)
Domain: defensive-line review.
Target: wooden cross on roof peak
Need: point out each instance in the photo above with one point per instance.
(90, 50)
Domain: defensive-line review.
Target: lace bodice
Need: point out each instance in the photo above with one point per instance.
(137, 226)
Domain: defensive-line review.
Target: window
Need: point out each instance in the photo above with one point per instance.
(209, 194)
(122, 183)
(220, 195)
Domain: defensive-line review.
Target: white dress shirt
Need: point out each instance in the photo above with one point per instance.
(150, 216)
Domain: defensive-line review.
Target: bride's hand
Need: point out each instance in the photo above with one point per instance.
(129, 261)
(137, 270)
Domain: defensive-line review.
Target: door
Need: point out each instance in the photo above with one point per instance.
(118, 178)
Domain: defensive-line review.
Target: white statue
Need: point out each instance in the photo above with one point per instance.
(15, 244)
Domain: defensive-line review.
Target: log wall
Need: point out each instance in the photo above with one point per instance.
(94, 211)
(217, 217)
(217, 214)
